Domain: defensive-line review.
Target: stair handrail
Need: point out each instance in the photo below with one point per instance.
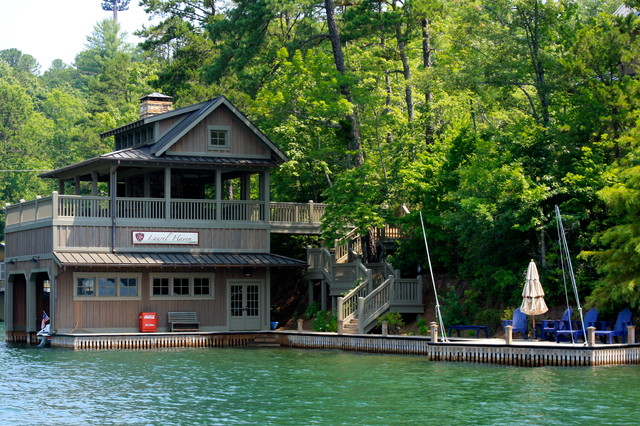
(343, 247)
(374, 304)
(324, 263)
(348, 304)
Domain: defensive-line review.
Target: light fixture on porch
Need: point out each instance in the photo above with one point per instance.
(46, 286)
(247, 272)
(11, 262)
(34, 259)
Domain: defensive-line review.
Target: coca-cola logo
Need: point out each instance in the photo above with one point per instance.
(140, 236)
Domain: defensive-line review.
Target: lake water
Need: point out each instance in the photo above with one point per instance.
(301, 387)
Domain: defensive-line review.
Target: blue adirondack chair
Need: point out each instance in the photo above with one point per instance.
(519, 323)
(548, 328)
(619, 329)
(590, 319)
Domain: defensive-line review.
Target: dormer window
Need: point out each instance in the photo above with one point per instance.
(219, 137)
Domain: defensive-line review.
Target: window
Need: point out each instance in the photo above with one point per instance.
(201, 287)
(85, 286)
(128, 287)
(106, 286)
(161, 286)
(181, 286)
(192, 286)
(219, 137)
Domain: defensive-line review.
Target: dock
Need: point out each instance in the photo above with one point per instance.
(520, 353)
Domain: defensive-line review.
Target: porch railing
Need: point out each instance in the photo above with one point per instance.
(95, 207)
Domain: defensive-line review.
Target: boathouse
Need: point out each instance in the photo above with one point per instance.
(176, 221)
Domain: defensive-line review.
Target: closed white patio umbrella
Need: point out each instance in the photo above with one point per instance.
(532, 294)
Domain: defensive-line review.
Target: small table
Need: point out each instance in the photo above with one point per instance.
(477, 329)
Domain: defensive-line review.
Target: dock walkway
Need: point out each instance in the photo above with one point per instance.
(485, 351)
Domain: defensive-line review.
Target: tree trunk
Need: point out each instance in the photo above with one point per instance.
(406, 72)
(350, 124)
(427, 62)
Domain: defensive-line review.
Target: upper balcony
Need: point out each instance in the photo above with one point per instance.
(279, 217)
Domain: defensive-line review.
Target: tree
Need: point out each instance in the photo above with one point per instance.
(115, 6)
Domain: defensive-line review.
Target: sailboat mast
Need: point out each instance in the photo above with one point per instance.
(565, 250)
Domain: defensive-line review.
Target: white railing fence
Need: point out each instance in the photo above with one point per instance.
(97, 207)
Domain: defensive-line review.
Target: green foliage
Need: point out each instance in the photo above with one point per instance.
(325, 321)
(507, 313)
(483, 116)
(394, 322)
(312, 310)
(423, 328)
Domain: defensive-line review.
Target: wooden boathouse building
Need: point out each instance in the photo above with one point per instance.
(177, 219)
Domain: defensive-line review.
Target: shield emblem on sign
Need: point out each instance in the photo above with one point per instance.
(139, 236)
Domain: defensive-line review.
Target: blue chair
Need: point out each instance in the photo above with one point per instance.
(619, 329)
(576, 331)
(519, 323)
(548, 328)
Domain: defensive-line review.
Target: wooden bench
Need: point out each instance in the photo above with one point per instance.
(183, 321)
(475, 328)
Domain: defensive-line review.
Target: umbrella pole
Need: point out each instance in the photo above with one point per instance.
(533, 320)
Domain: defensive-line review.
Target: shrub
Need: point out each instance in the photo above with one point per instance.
(312, 310)
(325, 321)
(423, 328)
(394, 322)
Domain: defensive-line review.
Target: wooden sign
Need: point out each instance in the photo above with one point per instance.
(168, 237)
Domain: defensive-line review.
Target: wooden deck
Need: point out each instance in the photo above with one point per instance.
(520, 353)
(291, 218)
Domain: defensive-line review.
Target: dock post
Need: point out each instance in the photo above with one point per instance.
(300, 322)
(434, 331)
(508, 337)
(340, 316)
(385, 328)
(631, 334)
(591, 336)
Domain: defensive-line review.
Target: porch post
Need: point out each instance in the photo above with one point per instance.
(167, 193)
(31, 303)
(94, 183)
(323, 295)
(340, 316)
(218, 215)
(113, 191)
(8, 302)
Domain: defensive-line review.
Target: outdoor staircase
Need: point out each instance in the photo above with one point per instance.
(351, 327)
(360, 293)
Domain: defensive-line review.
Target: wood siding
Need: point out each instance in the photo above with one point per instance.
(243, 141)
(167, 124)
(79, 315)
(224, 239)
(29, 242)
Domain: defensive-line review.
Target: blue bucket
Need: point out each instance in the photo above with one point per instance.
(274, 325)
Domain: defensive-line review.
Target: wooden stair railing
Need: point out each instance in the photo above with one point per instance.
(375, 304)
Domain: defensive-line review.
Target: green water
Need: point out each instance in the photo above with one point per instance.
(288, 386)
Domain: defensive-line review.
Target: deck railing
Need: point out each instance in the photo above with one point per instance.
(375, 294)
(95, 207)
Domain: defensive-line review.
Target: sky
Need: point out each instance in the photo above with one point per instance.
(58, 29)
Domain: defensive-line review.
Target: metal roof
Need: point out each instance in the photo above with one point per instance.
(256, 260)
(144, 156)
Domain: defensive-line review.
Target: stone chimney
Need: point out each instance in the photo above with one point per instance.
(154, 104)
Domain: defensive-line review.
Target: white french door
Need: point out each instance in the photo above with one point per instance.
(244, 305)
